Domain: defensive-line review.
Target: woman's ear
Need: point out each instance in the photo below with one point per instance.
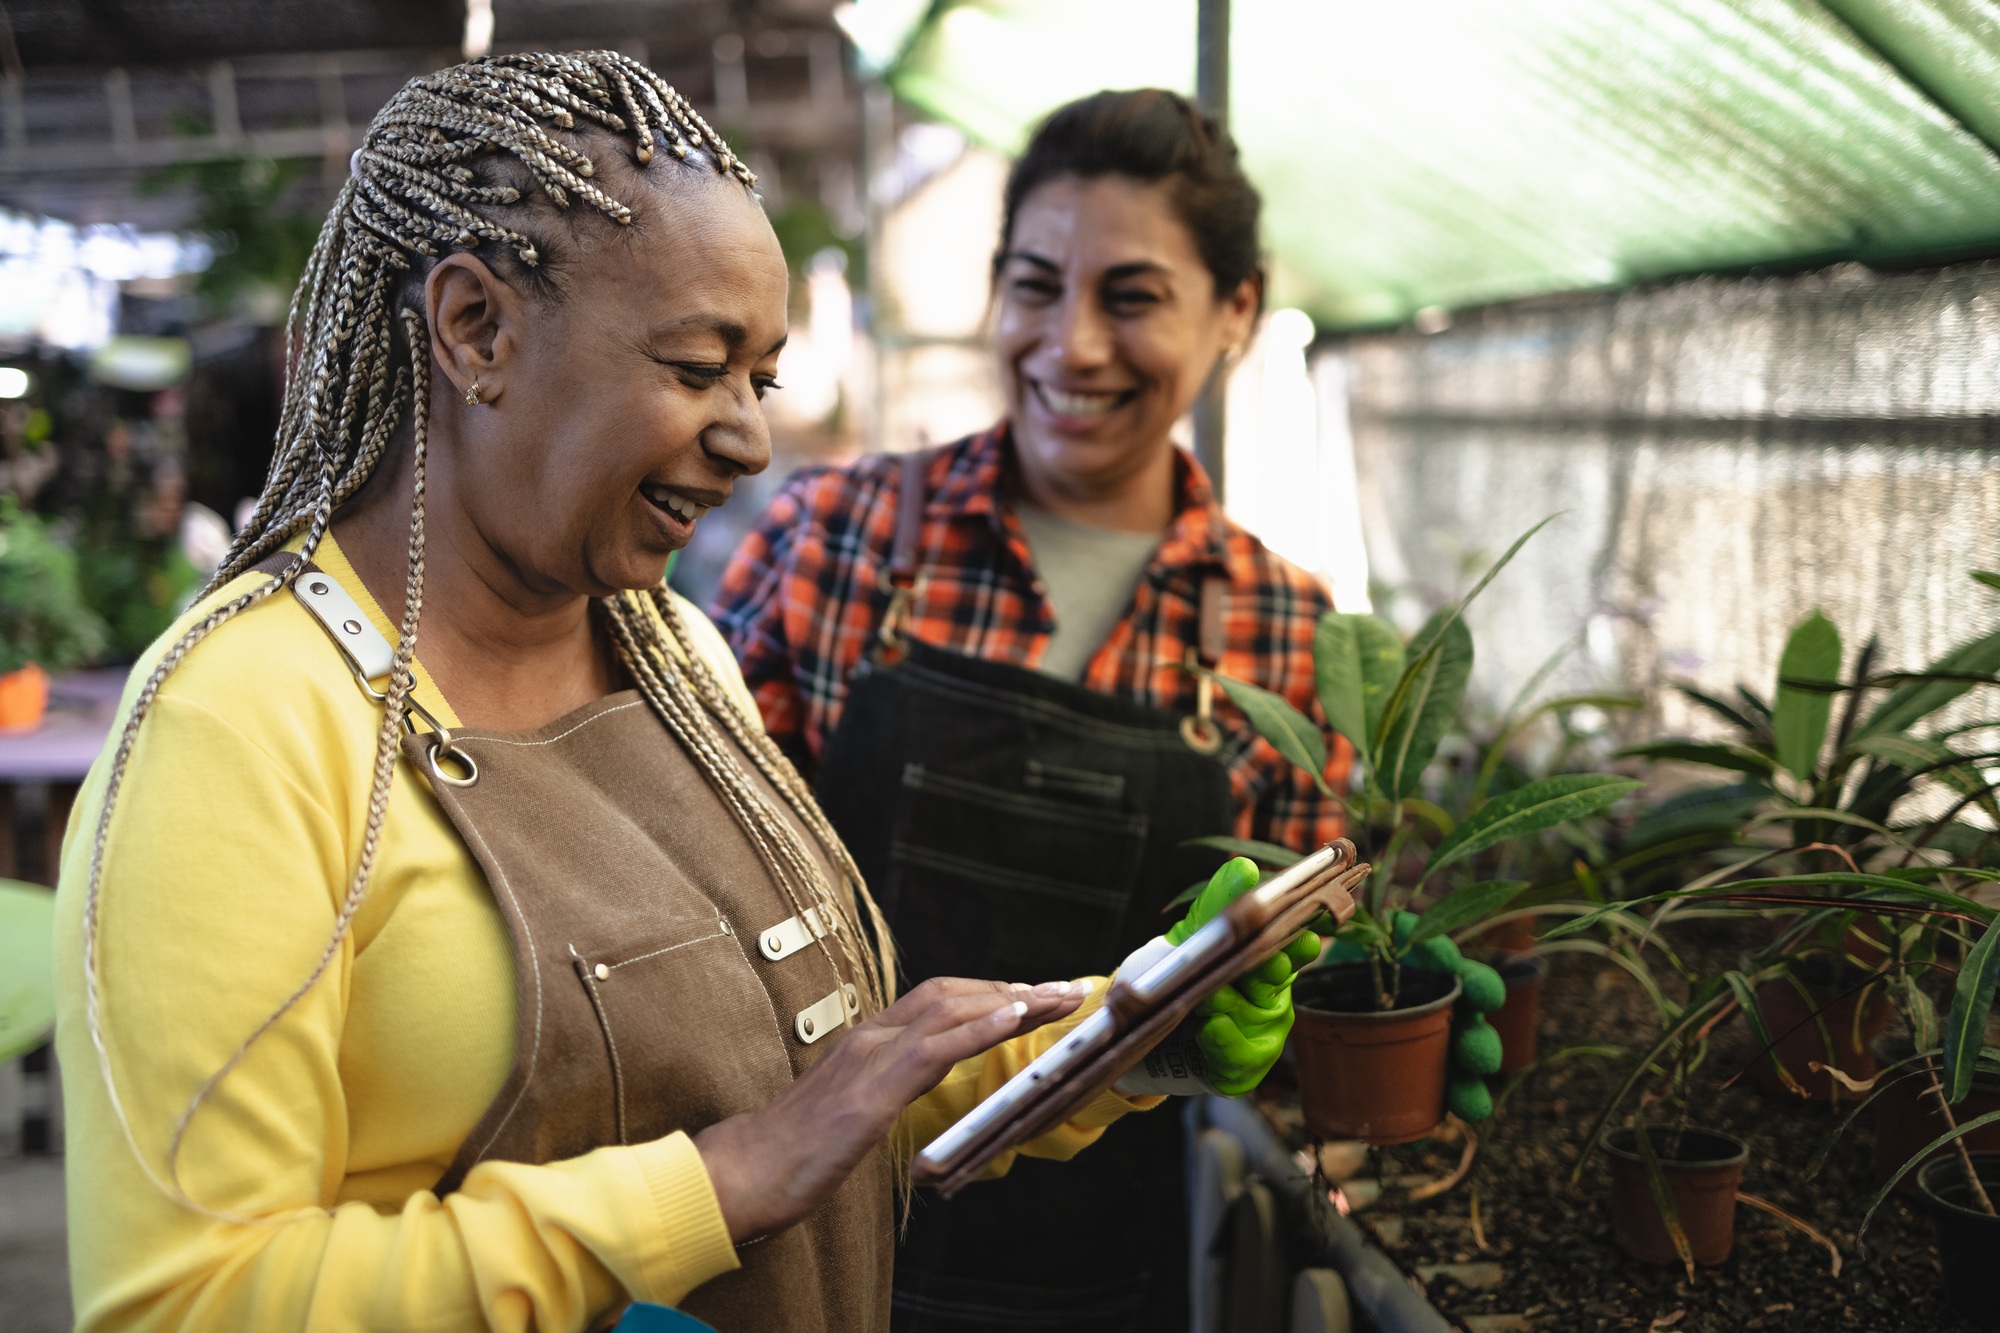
(475, 322)
(1238, 312)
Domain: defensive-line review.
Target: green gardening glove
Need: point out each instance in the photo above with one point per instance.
(1475, 1046)
(1241, 1029)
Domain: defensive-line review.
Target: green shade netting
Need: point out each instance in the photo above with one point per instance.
(27, 997)
(1457, 152)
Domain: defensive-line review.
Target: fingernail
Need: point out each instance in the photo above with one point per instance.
(1010, 1013)
(1084, 987)
(1050, 990)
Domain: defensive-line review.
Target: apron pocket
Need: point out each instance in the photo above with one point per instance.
(718, 1000)
(985, 882)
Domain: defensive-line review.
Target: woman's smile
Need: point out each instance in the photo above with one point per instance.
(1073, 411)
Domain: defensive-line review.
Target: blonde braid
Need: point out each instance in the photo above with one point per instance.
(412, 197)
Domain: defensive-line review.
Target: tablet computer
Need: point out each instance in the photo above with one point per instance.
(1139, 1013)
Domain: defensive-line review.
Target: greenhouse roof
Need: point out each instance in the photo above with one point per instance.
(1458, 152)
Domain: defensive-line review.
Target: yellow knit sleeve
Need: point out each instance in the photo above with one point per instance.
(972, 1081)
(230, 851)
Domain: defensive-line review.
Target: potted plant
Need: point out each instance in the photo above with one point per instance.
(1375, 1025)
(1824, 848)
(44, 624)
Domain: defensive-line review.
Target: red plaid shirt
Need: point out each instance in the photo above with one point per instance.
(801, 602)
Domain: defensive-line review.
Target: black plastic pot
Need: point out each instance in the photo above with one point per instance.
(1968, 1239)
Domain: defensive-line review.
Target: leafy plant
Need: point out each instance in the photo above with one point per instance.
(1395, 704)
(43, 618)
(1859, 829)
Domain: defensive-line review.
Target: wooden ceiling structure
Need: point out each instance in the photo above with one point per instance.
(98, 96)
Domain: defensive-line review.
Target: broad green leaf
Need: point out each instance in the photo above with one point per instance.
(1911, 752)
(1719, 808)
(1971, 1002)
(1425, 702)
(1798, 720)
(1740, 758)
(1471, 904)
(1356, 661)
(1987, 577)
(1264, 853)
(1290, 732)
(1912, 701)
(1528, 809)
(1918, 1158)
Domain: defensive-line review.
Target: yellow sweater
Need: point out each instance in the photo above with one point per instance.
(236, 832)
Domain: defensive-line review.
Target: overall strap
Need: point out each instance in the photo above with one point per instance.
(1200, 731)
(902, 577)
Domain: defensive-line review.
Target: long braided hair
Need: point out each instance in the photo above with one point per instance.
(452, 155)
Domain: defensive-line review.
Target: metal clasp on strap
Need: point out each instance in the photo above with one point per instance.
(1201, 732)
(831, 1012)
(904, 592)
(795, 933)
(370, 657)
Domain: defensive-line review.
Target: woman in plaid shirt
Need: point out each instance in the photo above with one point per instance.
(982, 653)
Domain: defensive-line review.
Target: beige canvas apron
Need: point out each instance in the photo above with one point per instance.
(664, 983)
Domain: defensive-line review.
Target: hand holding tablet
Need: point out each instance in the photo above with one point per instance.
(1140, 1012)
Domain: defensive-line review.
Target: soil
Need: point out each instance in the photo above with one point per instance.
(1559, 1268)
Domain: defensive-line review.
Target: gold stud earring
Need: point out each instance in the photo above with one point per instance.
(472, 394)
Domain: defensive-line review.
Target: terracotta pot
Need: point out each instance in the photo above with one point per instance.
(1829, 987)
(1968, 1239)
(24, 698)
(1906, 1118)
(1365, 1073)
(1702, 1177)
(1516, 936)
(1519, 1020)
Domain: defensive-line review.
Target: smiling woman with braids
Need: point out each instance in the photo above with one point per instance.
(443, 942)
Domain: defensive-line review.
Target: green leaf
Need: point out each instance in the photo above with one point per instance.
(1987, 577)
(1911, 752)
(1356, 660)
(1736, 757)
(1711, 809)
(1798, 720)
(1971, 1002)
(1726, 711)
(1918, 1158)
(1290, 732)
(1425, 702)
(1528, 809)
(1471, 904)
(1663, 1195)
(1265, 853)
(1912, 701)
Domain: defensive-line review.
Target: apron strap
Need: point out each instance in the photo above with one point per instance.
(902, 577)
(1213, 632)
(368, 655)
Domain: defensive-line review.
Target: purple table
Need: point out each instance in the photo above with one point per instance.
(58, 754)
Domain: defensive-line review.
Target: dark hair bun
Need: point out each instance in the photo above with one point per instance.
(1150, 134)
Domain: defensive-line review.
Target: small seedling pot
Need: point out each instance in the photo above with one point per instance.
(1906, 1117)
(1368, 1073)
(24, 698)
(1519, 1020)
(1968, 1239)
(1789, 1017)
(1702, 1177)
